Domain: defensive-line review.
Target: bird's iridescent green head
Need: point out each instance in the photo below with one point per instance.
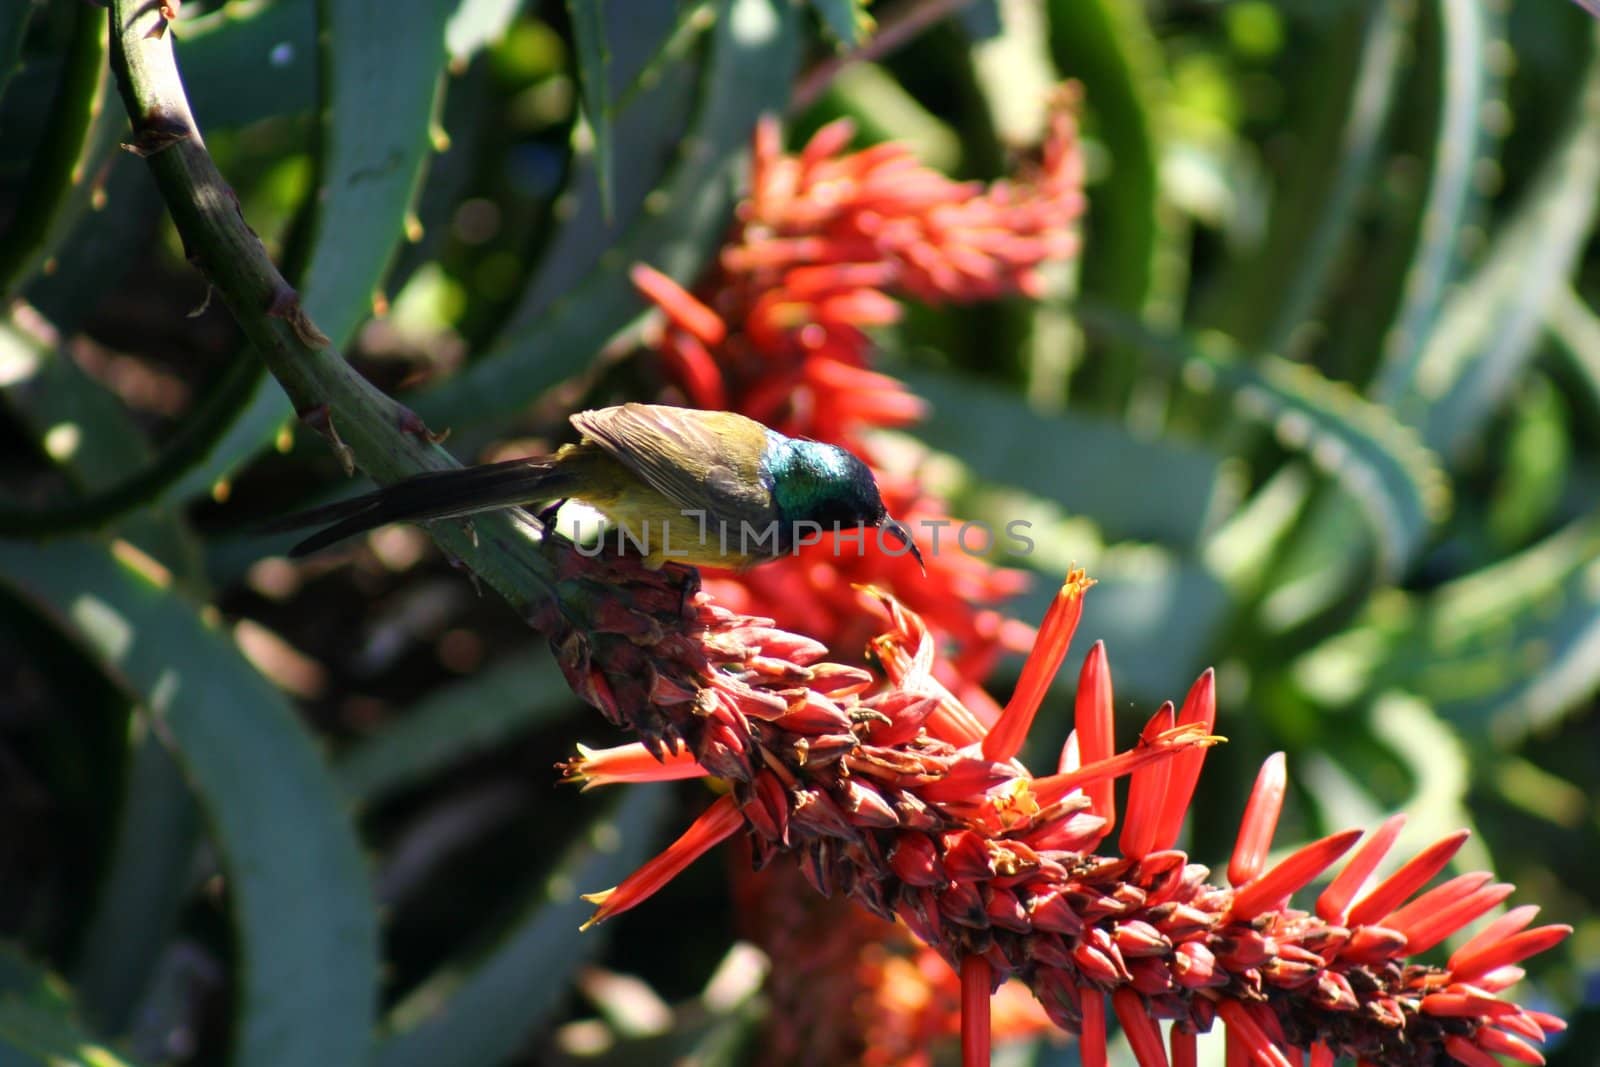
(818, 483)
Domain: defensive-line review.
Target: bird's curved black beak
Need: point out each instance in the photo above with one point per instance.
(902, 537)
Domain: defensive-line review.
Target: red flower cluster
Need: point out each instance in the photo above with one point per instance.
(825, 241)
(897, 796)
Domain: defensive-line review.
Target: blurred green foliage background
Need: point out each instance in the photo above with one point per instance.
(1318, 404)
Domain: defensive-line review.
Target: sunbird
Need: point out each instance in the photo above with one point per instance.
(705, 488)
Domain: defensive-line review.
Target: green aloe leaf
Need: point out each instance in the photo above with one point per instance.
(1491, 328)
(847, 21)
(86, 432)
(469, 716)
(753, 52)
(1098, 468)
(145, 886)
(649, 126)
(1383, 467)
(480, 1012)
(248, 62)
(1509, 648)
(305, 923)
(13, 25)
(39, 1023)
(384, 65)
(1468, 83)
(1319, 200)
(64, 170)
(589, 35)
(1108, 46)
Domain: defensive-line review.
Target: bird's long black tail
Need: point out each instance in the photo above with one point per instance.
(434, 495)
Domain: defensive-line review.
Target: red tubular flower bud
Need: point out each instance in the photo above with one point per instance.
(1093, 715)
(1412, 876)
(814, 713)
(1151, 977)
(1333, 992)
(1290, 876)
(1468, 1054)
(866, 806)
(1096, 965)
(1260, 821)
(1147, 791)
(1373, 944)
(1425, 931)
(1050, 912)
(1136, 937)
(1466, 966)
(1498, 1041)
(915, 860)
(1195, 967)
(1006, 911)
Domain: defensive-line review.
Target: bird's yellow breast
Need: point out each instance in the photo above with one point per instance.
(646, 522)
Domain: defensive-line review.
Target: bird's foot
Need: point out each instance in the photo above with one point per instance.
(549, 513)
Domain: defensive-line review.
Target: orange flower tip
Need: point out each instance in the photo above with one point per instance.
(602, 913)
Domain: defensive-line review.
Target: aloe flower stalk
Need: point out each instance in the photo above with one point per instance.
(891, 792)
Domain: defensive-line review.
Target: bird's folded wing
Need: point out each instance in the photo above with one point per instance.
(705, 461)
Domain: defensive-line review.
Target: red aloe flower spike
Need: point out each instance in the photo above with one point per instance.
(1467, 966)
(715, 825)
(1335, 900)
(686, 312)
(1005, 738)
(1144, 1036)
(977, 984)
(1428, 928)
(631, 763)
(1321, 1055)
(1511, 922)
(1092, 1033)
(1412, 876)
(1147, 790)
(1093, 713)
(1260, 821)
(1200, 706)
(1468, 1054)
(1289, 876)
(1185, 1046)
